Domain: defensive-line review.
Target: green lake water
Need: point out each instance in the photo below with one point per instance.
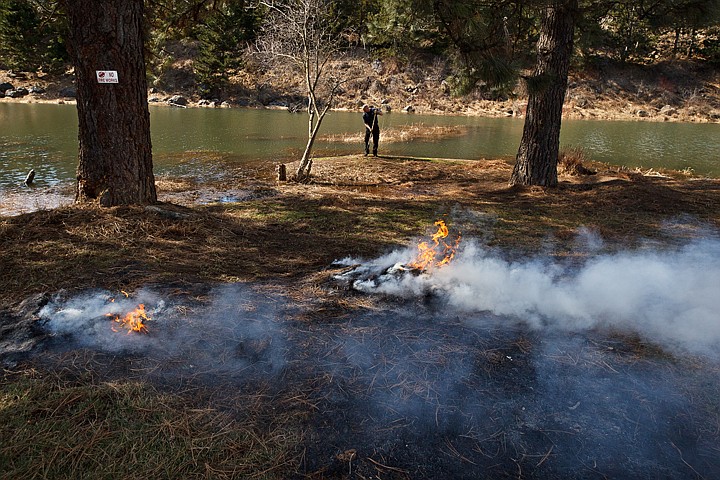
(202, 142)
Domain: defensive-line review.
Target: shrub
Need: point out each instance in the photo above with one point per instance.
(570, 161)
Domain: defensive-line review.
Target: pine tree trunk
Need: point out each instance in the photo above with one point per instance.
(536, 161)
(115, 164)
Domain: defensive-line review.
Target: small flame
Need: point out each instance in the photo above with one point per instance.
(438, 253)
(132, 321)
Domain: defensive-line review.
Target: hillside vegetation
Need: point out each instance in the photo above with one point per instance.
(632, 61)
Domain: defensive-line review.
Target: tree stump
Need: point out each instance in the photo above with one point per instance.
(30, 177)
(281, 170)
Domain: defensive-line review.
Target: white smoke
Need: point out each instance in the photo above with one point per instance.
(87, 318)
(238, 328)
(670, 297)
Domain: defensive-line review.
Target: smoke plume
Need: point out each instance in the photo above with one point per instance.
(484, 368)
(671, 297)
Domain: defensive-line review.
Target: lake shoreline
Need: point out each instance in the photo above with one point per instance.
(677, 91)
(624, 206)
(481, 109)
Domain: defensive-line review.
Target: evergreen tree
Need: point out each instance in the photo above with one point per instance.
(353, 17)
(115, 155)
(223, 36)
(628, 29)
(32, 35)
(487, 40)
(537, 157)
(402, 25)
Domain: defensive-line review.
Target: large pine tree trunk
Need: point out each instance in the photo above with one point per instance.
(536, 161)
(115, 165)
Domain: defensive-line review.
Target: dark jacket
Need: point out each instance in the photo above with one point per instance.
(370, 119)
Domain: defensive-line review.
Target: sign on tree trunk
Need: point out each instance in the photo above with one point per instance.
(106, 43)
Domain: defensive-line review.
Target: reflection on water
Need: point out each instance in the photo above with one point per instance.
(676, 146)
(598, 142)
(205, 143)
(33, 199)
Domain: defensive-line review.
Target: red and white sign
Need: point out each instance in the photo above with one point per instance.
(107, 76)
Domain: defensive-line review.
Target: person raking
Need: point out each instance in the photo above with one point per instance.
(370, 115)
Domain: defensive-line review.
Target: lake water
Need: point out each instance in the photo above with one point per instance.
(199, 142)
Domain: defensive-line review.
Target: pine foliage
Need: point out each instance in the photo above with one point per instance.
(32, 35)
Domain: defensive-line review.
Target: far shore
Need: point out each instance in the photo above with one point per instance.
(481, 109)
(615, 97)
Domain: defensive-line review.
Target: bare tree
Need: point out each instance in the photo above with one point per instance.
(106, 43)
(300, 32)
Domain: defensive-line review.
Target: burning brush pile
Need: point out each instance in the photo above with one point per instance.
(102, 318)
(668, 295)
(432, 254)
(133, 321)
(160, 330)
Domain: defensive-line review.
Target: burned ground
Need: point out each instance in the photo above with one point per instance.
(260, 364)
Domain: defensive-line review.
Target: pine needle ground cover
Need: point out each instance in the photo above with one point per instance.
(258, 363)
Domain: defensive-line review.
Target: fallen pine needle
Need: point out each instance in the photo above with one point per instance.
(542, 460)
(387, 467)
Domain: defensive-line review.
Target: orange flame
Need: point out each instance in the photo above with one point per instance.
(438, 253)
(132, 321)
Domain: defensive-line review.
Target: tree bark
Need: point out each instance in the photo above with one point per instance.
(537, 157)
(115, 161)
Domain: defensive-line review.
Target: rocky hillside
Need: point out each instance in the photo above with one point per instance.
(669, 91)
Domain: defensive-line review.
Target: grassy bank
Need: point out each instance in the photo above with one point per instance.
(661, 91)
(357, 206)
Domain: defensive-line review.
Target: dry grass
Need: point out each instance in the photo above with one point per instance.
(83, 415)
(52, 426)
(356, 206)
(572, 161)
(404, 133)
